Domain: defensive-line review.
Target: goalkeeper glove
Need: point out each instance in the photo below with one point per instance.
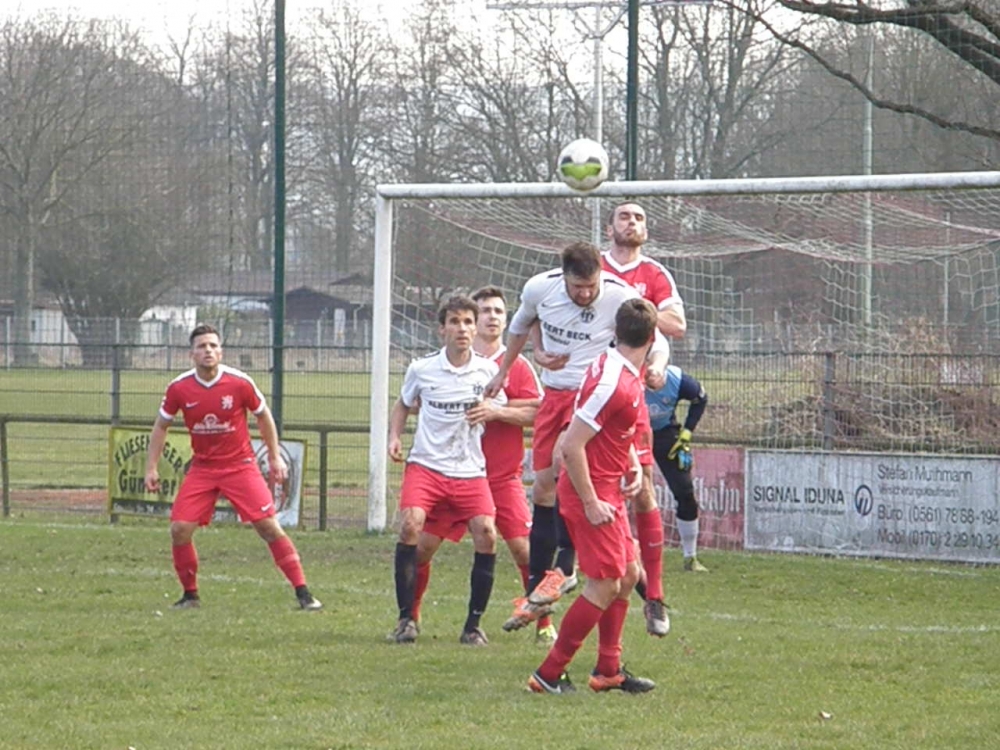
(681, 451)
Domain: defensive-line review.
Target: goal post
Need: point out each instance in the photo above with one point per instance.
(518, 229)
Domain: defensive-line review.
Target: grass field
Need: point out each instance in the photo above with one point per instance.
(898, 655)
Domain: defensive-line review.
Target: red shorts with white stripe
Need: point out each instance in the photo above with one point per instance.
(241, 484)
(447, 501)
(603, 551)
(553, 416)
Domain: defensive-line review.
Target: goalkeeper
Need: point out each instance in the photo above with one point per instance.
(672, 451)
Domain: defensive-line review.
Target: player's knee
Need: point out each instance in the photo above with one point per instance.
(687, 507)
(410, 527)
(645, 501)
(484, 535)
(181, 532)
(629, 580)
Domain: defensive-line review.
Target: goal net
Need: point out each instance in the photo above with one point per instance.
(827, 313)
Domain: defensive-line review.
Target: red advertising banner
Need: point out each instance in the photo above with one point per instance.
(718, 486)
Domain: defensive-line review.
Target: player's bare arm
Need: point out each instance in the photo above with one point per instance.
(656, 362)
(278, 469)
(157, 439)
(672, 322)
(574, 456)
(544, 359)
(397, 423)
(515, 345)
(519, 412)
(632, 481)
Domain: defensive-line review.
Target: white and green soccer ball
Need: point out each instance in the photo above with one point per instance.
(583, 164)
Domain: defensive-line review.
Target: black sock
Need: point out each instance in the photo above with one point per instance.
(542, 544)
(640, 589)
(480, 588)
(406, 578)
(566, 555)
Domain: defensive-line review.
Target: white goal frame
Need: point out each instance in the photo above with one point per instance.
(387, 194)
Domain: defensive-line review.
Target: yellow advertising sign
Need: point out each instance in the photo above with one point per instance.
(127, 449)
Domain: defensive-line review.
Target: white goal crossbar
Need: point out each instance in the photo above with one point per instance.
(387, 195)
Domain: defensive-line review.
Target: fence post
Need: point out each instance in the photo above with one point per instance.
(829, 380)
(323, 448)
(116, 376)
(4, 468)
(7, 353)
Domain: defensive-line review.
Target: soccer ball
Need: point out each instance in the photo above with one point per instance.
(583, 164)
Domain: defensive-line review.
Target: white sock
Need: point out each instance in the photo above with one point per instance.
(688, 532)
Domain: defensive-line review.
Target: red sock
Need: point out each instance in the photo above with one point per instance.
(649, 529)
(609, 635)
(286, 557)
(525, 573)
(186, 565)
(580, 619)
(423, 578)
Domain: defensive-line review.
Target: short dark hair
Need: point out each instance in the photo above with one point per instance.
(635, 322)
(201, 329)
(619, 204)
(488, 292)
(455, 304)
(581, 259)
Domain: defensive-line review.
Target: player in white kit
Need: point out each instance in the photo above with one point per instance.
(575, 306)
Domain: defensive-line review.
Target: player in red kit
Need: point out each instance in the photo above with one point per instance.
(215, 400)
(575, 306)
(628, 232)
(596, 455)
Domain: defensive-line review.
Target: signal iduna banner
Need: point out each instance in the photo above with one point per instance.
(874, 505)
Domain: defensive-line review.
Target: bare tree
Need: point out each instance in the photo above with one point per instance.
(65, 110)
(966, 32)
(342, 84)
(713, 76)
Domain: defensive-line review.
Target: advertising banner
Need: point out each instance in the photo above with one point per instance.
(127, 495)
(889, 505)
(718, 481)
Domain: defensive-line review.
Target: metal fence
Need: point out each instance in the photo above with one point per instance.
(54, 421)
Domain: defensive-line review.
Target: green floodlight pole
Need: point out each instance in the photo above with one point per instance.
(278, 303)
(632, 93)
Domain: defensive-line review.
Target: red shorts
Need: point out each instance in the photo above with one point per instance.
(603, 551)
(513, 517)
(447, 501)
(553, 416)
(241, 484)
(643, 440)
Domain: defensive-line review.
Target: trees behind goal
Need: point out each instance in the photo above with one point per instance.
(823, 312)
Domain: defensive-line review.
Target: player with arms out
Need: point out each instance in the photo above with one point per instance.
(215, 400)
(503, 446)
(627, 232)
(445, 479)
(672, 451)
(596, 450)
(575, 306)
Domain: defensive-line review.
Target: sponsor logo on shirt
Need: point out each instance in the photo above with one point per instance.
(210, 425)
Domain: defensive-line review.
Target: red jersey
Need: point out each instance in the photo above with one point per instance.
(215, 413)
(608, 401)
(503, 443)
(648, 277)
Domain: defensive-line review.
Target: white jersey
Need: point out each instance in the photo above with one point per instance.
(581, 332)
(444, 441)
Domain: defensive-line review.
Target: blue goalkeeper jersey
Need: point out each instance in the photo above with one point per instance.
(663, 403)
